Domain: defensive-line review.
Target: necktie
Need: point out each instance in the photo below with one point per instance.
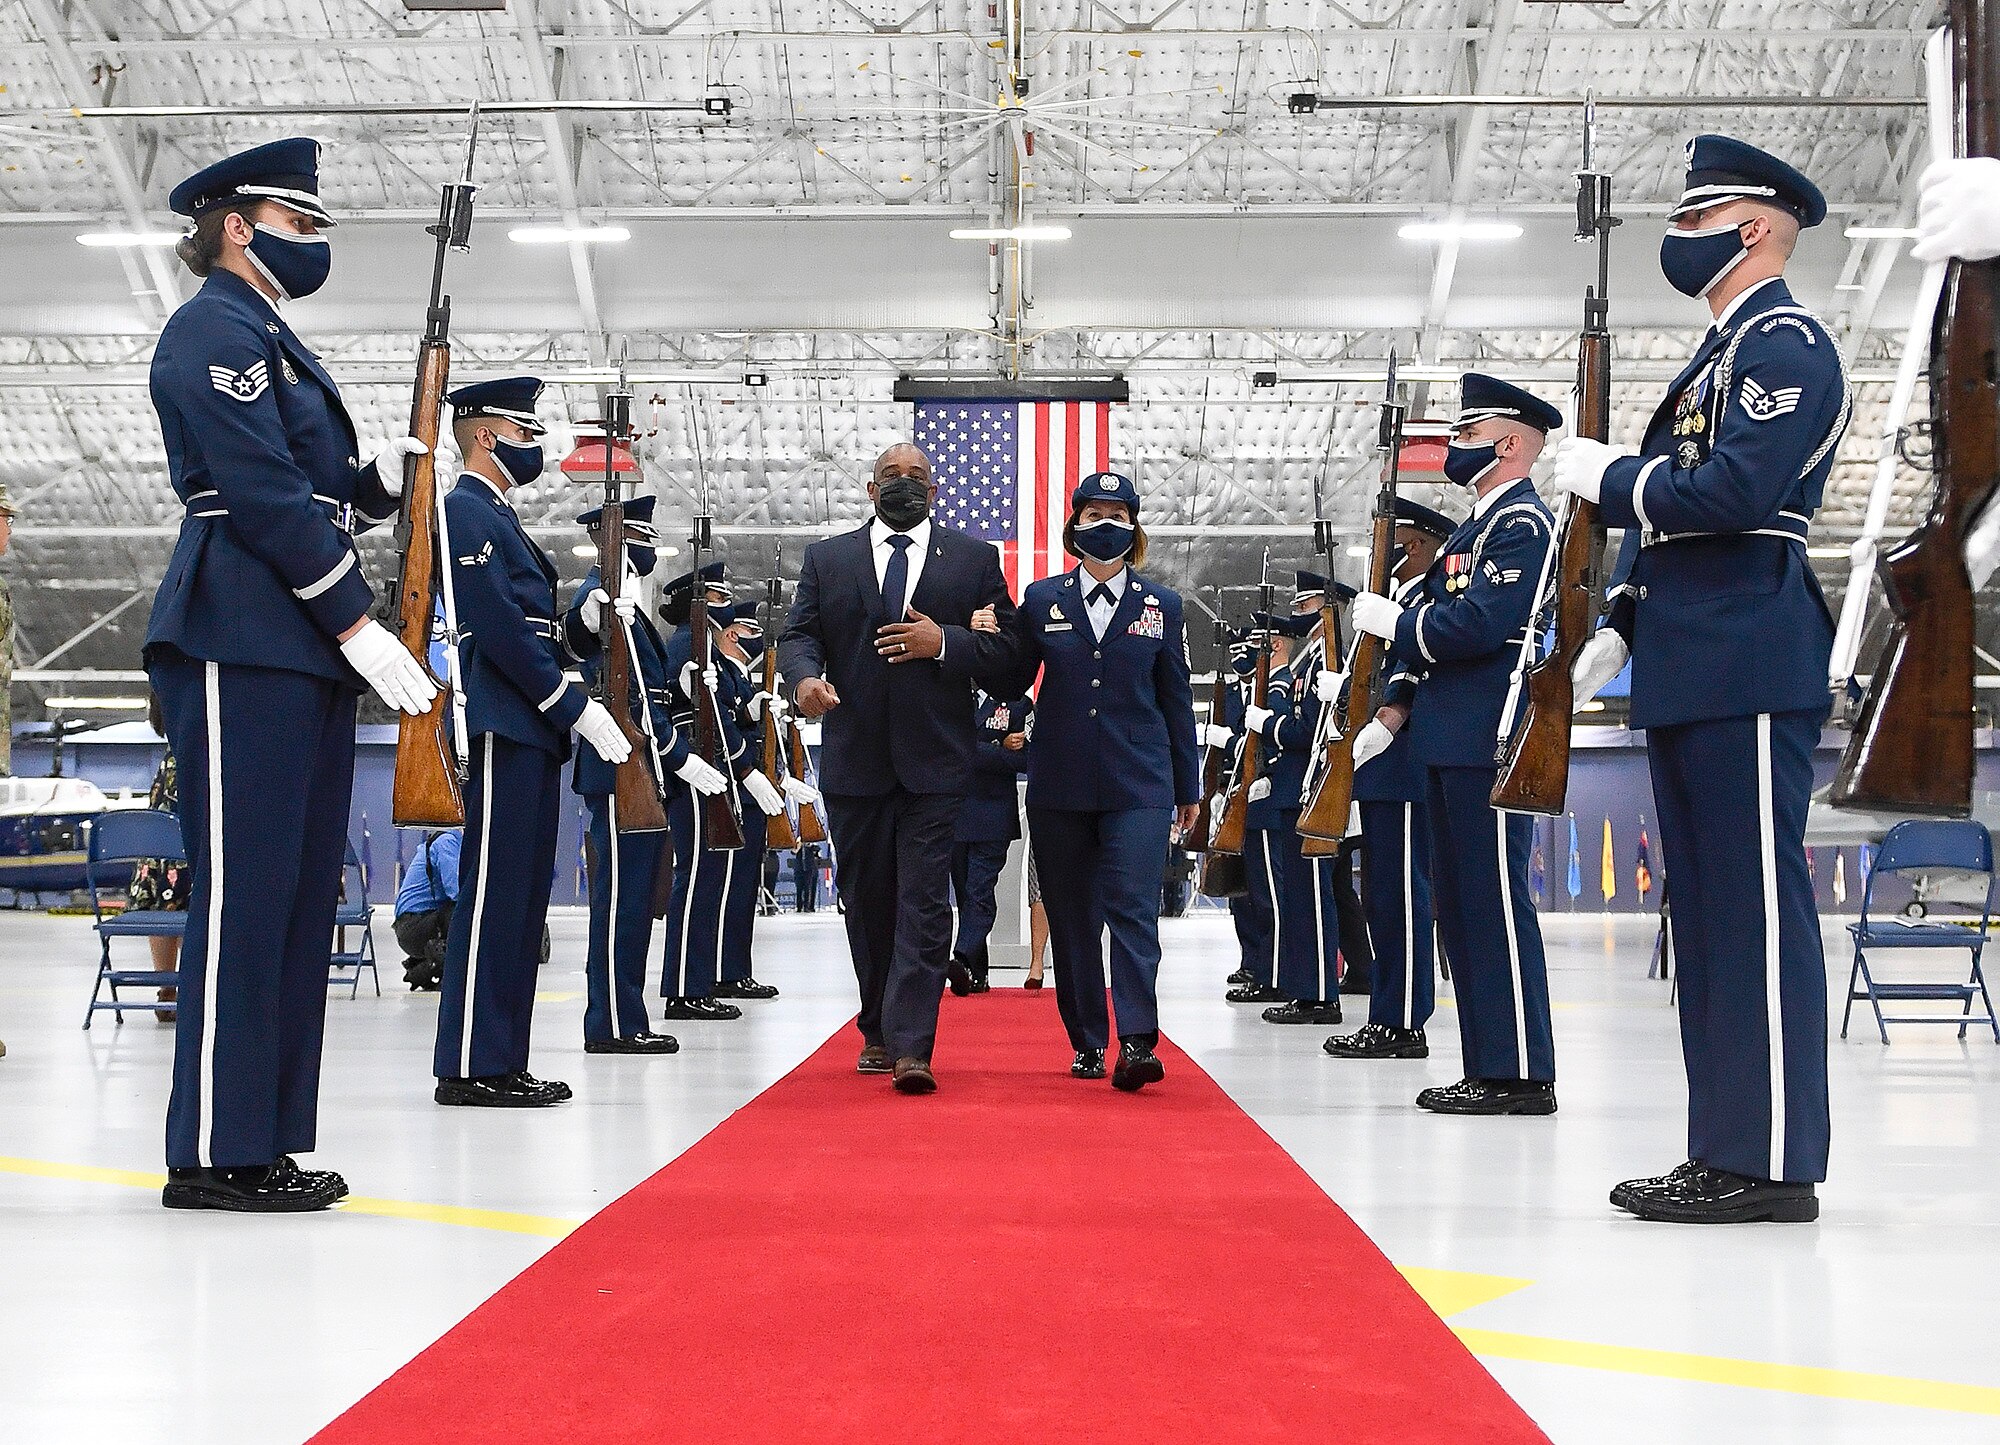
(896, 578)
(1099, 593)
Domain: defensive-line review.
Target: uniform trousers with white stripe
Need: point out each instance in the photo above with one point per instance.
(746, 885)
(506, 868)
(1479, 876)
(266, 761)
(1396, 891)
(622, 869)
(1264, 876)
(1256, 925)
(1308, 918)
(702, 879)
(1732, 795)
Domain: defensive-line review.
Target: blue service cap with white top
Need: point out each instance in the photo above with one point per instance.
(638, 520)
(1105, 487)
(281, 170)
(510, 397)
(1721, 168)
(1482, 397)
(1424, 519)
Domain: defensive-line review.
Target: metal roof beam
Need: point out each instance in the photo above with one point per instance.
(561, 144)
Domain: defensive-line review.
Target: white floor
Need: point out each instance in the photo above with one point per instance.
(121, 1321)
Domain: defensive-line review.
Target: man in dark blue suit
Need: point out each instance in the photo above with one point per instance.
(988, 824)
(1730, 640)
(880, 647)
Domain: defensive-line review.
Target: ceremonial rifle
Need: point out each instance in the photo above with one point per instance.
(1229, 831)
(430, 749)
(1214, 760)
(1533, 758)
(635, 785)
(1912, 749)
(720, 828)
(778, 830)
(1323, 820)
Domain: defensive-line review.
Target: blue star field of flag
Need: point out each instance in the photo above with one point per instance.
(972, 447)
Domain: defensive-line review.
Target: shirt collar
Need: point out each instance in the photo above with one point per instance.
(500, 493)
(1116, 582)
(1491, 500)
(879, 533)
(1729, 312)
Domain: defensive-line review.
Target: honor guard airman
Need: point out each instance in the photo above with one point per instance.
(988, 823)
(1344, 921)
(1255, 924)
(1389, 790)
(623, 864)
(1263, 850)
(259, 645)
(522, 698)
(741, 645)
(1729, 640)
(1459, 639)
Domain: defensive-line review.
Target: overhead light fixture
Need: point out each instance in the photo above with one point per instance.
(1302, 102)
(583, 549)
(1594, 705)
(104, 704)
(1459, 231)
(125, 239)
(756, 378)
(1879, 233)
(1010, 233)
(1262, 380)
(717, 103)
(560, 235)
(1360, 551)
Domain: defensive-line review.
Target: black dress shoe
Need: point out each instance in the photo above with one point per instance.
(745, 988)
(1621, 1194)
(958, 974)
(1241, 978)
(562, 1091)
(1379, 1041)
(1702, 1195)
(1490, 1096)
(1137, 1066)
(1088, 1064)
(874, 1059)
(501, 1091)
(1304, 1011)
(263, 1189)
(914, 1076)
(643, 1042)
(980, 983)
(286, 1165)
(1256, 993)
(1034, 980)
(699, 1008)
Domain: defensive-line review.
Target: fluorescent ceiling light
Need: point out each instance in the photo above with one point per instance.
(583, 549)
(1879, 233)
(559, 235)
(129, 238)
(1459, 231)
(109, 704)
(1010, 233)
(1594, 705)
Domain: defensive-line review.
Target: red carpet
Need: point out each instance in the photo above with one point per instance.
(1022, 1258)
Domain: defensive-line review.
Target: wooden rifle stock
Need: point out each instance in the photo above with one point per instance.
(1232, 829)
(634, 784)
(721, 829)
(811, 829)
(425, 791)
(778, 830)
(1215, 761)
(1324, 818)
(1912, 748)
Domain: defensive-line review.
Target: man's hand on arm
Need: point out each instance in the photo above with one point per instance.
(915, 638)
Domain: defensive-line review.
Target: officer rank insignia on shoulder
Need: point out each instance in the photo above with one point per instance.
(1151, 622)
(241, 385)
(479, 558)
(1762, 405)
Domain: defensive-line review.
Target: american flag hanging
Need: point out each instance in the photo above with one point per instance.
(1005, 469)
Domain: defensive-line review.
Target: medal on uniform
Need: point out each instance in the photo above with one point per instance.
(1457, 572)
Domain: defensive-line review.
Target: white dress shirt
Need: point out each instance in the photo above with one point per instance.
(879, 533)
(1100, 611)
(1736, 303)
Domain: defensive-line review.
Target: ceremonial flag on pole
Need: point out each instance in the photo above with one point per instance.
(1642, 876)
(1608, 879)
(1005, 470)
(1839, 877)
(1575, 864)
(1538, 870)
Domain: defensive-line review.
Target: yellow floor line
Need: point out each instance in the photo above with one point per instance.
(1750, 1374)
(1452, 1291)
(456, 1214)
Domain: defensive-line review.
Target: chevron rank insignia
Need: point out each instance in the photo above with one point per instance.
(241, 385)
(1497, 575)
(479, 558)
(1762, 405)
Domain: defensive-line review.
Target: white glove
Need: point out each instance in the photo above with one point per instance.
(1597, 662)
(1371, 742)
(763, 794)
(597, 727)
(1214, 735)
(1257, 718)
(777, 704)
(1327, 685)
(592, 611)
(388, 463)
(800, 792)
(1260, 790)
(698, 775)
(1372, 612)
(1982, 546)
(1958, 215)
(711, 679)
(1579, 465)
(386, 665)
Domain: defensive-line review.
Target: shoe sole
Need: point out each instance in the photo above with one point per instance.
(1421, 1052)
(602, 1049)
(461, 1102)
(1530, 1107)
(1777, 1211)
(1092, 1074)
(193, 1196)
(1316, 1022)
(915, 1084)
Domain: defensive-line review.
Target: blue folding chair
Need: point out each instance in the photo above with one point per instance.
(1924, 846)
(126, 837)
(354, 911)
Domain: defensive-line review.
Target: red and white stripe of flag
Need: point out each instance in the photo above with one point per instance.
(1059, 443)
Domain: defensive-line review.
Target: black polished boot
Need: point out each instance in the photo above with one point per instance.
(958, 974)
(1715, 1196)
(500, 1091)
(1137, 1065)
(287, 1165)
(1305, 1011)
(1256, 993)
(745, 988)
(643, 1042)
(261, 1189)
(1490, 1096)
(1379, 1041)
(1088, 1064)
(698, 1008)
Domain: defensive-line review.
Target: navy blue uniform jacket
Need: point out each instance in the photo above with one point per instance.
(650, 705)
(910, 723)
(1114, 720)
(263, 456)
(1395, 775)
(992, 808)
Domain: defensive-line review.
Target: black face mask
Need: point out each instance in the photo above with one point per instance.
(902, 502)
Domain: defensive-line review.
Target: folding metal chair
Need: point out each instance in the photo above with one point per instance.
(126, 837)
(354, 911)
(1923, 845)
